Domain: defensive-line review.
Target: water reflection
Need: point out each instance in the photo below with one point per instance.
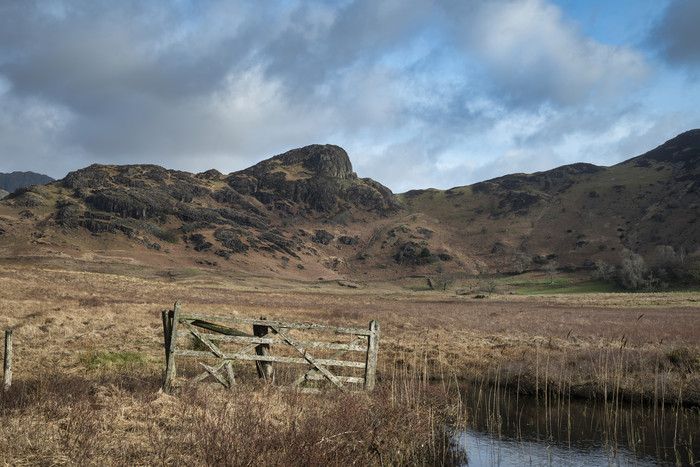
(505, 428)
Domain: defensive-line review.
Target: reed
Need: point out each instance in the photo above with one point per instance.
(101, 336)
(640, 427)
(121, 418)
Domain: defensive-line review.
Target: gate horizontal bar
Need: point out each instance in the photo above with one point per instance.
(273, 341)
(281, 324)
(269, 358)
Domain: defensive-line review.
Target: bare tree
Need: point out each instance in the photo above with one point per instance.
(692, 267)
(521, 261)
(603, 270)
(633, 270)
(551, 269)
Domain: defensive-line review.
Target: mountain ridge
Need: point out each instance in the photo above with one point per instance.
(9, 182)
(306, 214)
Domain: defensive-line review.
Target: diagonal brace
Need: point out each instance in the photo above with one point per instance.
(312, 371)
(215, 350)
(214, 371)
(309, 358)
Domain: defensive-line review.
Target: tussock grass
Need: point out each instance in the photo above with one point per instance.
(122, 418)
(89, 359)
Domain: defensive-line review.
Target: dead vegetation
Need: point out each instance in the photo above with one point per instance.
(89, 360)
(122, 418)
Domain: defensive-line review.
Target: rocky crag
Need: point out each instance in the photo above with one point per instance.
(306, 214)
(214, 216)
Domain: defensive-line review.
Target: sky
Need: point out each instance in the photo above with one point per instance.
(420, 93)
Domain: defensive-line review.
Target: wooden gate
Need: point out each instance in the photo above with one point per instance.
(212, 339)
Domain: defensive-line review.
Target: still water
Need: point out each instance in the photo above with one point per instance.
(504, 428)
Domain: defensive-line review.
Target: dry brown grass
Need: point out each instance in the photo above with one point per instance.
(123, 419)
(88, 368)
(69, 324)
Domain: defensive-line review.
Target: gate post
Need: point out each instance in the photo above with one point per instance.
(7, 367)
(171, 341)
(166, 334)
(265, 369)
(372, 350)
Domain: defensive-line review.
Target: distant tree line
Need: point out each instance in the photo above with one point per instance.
(665, 267)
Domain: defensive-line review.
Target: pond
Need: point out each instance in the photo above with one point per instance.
(504, 428)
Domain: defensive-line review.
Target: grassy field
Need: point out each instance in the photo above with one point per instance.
(89, 362)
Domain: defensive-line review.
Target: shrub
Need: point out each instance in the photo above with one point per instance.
(685, 359)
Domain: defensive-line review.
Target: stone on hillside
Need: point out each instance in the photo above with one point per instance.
(345, 240)
(230, 239)
(415, 254)
(322, 237)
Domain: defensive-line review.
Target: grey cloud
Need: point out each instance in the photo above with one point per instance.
(534, 55)
(149, 79)
(419, 92)
(95, 55)
(316, 45)
(677, 36)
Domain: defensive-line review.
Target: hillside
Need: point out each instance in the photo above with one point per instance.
(273, 218)
(305, 214)
(578, 213)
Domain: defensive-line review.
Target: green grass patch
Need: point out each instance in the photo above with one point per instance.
(191, 272)
(417, 287)
(101, 360)
(564, 286)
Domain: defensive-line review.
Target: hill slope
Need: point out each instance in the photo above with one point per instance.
(274, 217)
(577, 213)
(306, 214)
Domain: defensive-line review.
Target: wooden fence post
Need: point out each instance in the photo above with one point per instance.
(166, 335)
(372, 351)
(7, 367)
(265, 369)
(171, 342)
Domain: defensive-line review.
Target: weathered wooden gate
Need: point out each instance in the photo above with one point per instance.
(212, 341)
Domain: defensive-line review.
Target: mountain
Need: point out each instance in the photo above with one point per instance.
(306, 214)
(578, 213)
(11, 181)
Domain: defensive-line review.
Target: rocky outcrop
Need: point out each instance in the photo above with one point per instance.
(551, 181)
(29, 197)
(322, 237)
(414, 254)
(316, 160)
(320, 177)
(136, 203)
(236, 214)
(230, 239)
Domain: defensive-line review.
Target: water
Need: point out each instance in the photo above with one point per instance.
(504, 428)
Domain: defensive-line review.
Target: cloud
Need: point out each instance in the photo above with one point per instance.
(677, 34)
(534, 55)
(420, 93)
(154, 81)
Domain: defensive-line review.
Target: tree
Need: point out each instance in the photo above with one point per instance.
(692, 267)
(521, 261)
(603, 270)
(551, 269)
(633, 270)
(667, 264)
(665, 256)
